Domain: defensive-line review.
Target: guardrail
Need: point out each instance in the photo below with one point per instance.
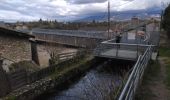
(135, 77)
(118, 48)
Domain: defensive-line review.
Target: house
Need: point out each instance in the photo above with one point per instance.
(134, 21)
(15, 46)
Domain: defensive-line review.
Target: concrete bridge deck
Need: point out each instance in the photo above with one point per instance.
(120, 54)
(128, 49)
(120, 51)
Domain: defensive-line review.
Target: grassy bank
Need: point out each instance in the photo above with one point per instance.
(151, 74)
(165, 54)
(70, 66)
(63, 72)
(156, 80)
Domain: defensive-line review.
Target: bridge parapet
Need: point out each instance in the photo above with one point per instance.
(121, 50)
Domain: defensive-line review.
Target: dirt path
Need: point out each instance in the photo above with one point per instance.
(158, 86)
(153, 86)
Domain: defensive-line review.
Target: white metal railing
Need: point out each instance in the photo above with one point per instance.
(137, 49)
(76, 33)
(132, 83)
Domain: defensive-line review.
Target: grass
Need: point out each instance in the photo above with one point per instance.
(165, 52)
(27, 65)
(66, 69)
(168, 75)
(151, 74)
(11, 98)
(69, 67)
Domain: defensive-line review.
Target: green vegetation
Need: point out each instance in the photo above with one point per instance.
(72, 65)
(11, 98)
(151, 74)
(166, 20)
(168, 74)
(27, 65)
(165, 52)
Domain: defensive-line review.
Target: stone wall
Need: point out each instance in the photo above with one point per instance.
(29, 92)
(15, 48)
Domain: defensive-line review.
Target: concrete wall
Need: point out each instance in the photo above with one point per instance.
(15, 48)
(44, 51)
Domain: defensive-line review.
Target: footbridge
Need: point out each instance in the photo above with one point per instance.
(131, 47)
(141, 53)
(123, 51)
(128, 49)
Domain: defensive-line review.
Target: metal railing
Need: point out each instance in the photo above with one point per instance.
(134, 79)
(121, 50)
(75, 33)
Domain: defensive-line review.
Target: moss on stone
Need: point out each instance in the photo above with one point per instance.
(27, 65)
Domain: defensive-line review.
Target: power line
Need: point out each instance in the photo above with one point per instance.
(123, 4)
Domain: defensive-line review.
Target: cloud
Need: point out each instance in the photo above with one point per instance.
(67, 9)
(85, 1)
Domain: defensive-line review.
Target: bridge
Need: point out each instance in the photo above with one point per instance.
(75, 38)
(123, 51)
(131, 45)
(70, 33)
(137, 48)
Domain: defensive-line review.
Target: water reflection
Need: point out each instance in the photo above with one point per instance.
(98, 84)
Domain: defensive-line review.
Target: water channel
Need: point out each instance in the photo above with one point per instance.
(100, 83)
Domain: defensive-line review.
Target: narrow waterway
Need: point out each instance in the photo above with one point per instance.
(100, 83)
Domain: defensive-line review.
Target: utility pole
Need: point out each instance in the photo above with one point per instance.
(108, 19)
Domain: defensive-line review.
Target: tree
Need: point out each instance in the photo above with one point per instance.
(166, 20)
(40, 20)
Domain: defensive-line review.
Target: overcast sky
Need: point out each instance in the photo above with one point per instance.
(27, 10)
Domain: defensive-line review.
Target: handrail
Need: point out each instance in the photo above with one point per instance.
(108, 41)
(129, 79)
(130, 87)
(135, 48)
(128, 44)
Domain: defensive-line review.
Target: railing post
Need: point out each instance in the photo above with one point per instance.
(137, 50)
(117, 47)
(134, 79)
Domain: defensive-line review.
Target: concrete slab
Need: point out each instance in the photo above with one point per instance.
(125, 54)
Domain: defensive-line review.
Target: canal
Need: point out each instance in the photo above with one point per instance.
(102, 82)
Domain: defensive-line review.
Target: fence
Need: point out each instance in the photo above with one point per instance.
(121, 50)
(134, 79)
(32, 77)
(17, 78)
(66, 56)
(75, 33)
